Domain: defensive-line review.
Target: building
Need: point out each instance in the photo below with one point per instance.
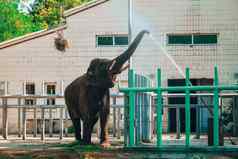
(195, 33)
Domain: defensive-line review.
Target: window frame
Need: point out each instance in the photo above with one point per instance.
(113, 40)
(179, 35)
(30, 101)
(192, 35)
(2, 87)
(34, 91)
(50, 101)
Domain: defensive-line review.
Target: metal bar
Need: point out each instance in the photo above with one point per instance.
(130, 28)
(126, 121)
(141, 89)
(114, 122)
(187, 109)
(118, 123)
(61, 124)
(216, 109)
(24, 123)
(19, 117)
(114, 117)
(131, 109)
(50, 120)
(181, 88)
(5, 119)
(178, 122)
(159, 109)
(35, 122)
(66, 122)
(43, 124)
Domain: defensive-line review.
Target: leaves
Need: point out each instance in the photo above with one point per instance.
(13, 23)
(45, 14)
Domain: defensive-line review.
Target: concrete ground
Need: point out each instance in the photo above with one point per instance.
(53, 148)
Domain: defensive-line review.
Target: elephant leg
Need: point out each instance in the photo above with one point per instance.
(87, 130)
(77, 126)
(86, 133)
(103, 123)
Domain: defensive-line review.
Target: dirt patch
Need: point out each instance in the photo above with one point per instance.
(54, 154)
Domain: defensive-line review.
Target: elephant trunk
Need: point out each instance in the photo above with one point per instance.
(121, 59)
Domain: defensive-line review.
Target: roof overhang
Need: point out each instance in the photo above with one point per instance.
(30, 36)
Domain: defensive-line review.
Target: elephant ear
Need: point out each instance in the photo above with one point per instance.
(91, 72)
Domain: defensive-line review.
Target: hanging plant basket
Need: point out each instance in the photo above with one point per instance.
(61, 43)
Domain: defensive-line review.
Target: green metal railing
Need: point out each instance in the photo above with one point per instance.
(132, 90)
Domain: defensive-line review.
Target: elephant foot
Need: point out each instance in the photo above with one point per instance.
(105, 144)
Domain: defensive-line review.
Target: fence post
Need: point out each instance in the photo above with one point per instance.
(187, 108)
(159, 109)
(24, 123)
(61, 123)
(216, 109)
(43, 123)
(126, 119)
(66, 122)
(35, 121)
(19, 117)
(114, 120)
(51, 119)
(131, 109)
(118, 123)
(178, 122)
(5, 118)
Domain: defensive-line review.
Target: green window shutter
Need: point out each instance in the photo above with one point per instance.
(205, 39)
(104, 40)
(121, 40)
(179, 39)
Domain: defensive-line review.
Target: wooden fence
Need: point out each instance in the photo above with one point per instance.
(40, 105)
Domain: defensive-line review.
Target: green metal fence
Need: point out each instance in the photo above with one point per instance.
(132, 90)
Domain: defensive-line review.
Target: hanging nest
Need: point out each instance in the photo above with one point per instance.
(61, 43)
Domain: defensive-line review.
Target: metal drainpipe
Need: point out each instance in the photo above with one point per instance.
(130, 28)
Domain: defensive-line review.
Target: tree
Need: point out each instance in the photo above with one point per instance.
(44, 14)
(50, 12)
(13, 23)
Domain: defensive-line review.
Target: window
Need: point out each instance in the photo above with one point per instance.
(191, 39)
(112, 40)
(121, 40)
(105, 41)
(30, 90)
(205, 39)
(50, 90)
(179, 39)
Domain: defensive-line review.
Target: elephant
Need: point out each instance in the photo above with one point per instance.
(87, 97)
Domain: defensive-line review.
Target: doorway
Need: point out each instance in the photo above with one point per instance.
(173, 116)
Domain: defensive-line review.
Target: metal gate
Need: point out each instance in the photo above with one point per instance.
(134, 98)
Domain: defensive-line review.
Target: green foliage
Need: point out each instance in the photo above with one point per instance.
(13, 23)
(46, 14)
(50, 12)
